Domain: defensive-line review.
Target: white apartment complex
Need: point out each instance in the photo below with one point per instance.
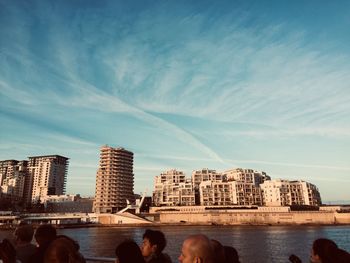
(172, 188)
(246, 175)
(235, 187)
(241, 187)
(284, 193)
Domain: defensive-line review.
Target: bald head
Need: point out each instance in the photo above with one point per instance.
(196, 248)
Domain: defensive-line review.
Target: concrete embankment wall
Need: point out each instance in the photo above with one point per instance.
(235, 218)
(115, 219)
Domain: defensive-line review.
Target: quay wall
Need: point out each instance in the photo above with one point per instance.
(117, 219)
(255, 218)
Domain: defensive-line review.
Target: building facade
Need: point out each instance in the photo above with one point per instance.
(246, 175)
(13, 177)
(243, 192)
(172, 188)
(203, 175)
(285, 193)
(208, 187)
(114, 180)
(238, 187)
(47, 176)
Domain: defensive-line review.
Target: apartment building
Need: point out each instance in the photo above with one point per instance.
(114, 180)
(230, 193)
(241, 187)
(203, 175)
(311, 194)
(47, 176)
(246, 175)
(284, 193)
(208, 187)
(215, 193)
(13, 176)
(172, 188)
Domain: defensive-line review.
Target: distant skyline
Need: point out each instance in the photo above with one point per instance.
(184, 85)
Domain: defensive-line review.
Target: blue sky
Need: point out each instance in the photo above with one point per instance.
(182, 84)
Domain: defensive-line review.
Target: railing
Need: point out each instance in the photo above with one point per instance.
(99, 259)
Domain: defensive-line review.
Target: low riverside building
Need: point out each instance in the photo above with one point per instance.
(252, 215)
(67, 204)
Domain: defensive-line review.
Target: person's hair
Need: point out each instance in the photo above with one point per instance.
(45, 234)
(129, 251)
(157, 238)
(201, 247)
(7, 252)
(231, 255)
(218, 250)
(325, 249)
(24, 232)
(342, 256)
(63, 249)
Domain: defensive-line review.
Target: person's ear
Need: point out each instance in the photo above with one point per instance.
(317, 257)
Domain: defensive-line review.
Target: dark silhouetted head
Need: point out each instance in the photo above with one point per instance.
(24, 233)
(128, 251)
(218, 250)
(231, 255)
(63, 250)
(7, 252)
(45, 234)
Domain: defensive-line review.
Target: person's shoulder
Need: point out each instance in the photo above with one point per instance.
(164, 258)
(167, 258)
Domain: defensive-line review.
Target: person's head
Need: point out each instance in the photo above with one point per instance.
(231, 254)
(7, 252)
(218, 250)
(24, 234)
(196, 249)
(153, 243)
(63, 249)
(323, 250)
(128, 251)
(45, 234)
(342, 256)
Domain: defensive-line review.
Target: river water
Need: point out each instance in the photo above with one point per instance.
(253, 243)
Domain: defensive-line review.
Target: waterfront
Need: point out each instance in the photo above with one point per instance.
(254, 243)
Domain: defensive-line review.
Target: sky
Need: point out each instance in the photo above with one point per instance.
(182, 84)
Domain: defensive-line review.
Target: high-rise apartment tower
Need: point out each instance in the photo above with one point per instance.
(47, 177)
(114, 180)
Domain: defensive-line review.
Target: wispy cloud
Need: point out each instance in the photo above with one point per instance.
(201, 81)
(255, 74)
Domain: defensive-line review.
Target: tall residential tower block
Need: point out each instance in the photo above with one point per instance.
(114, 180)
(47, 176)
